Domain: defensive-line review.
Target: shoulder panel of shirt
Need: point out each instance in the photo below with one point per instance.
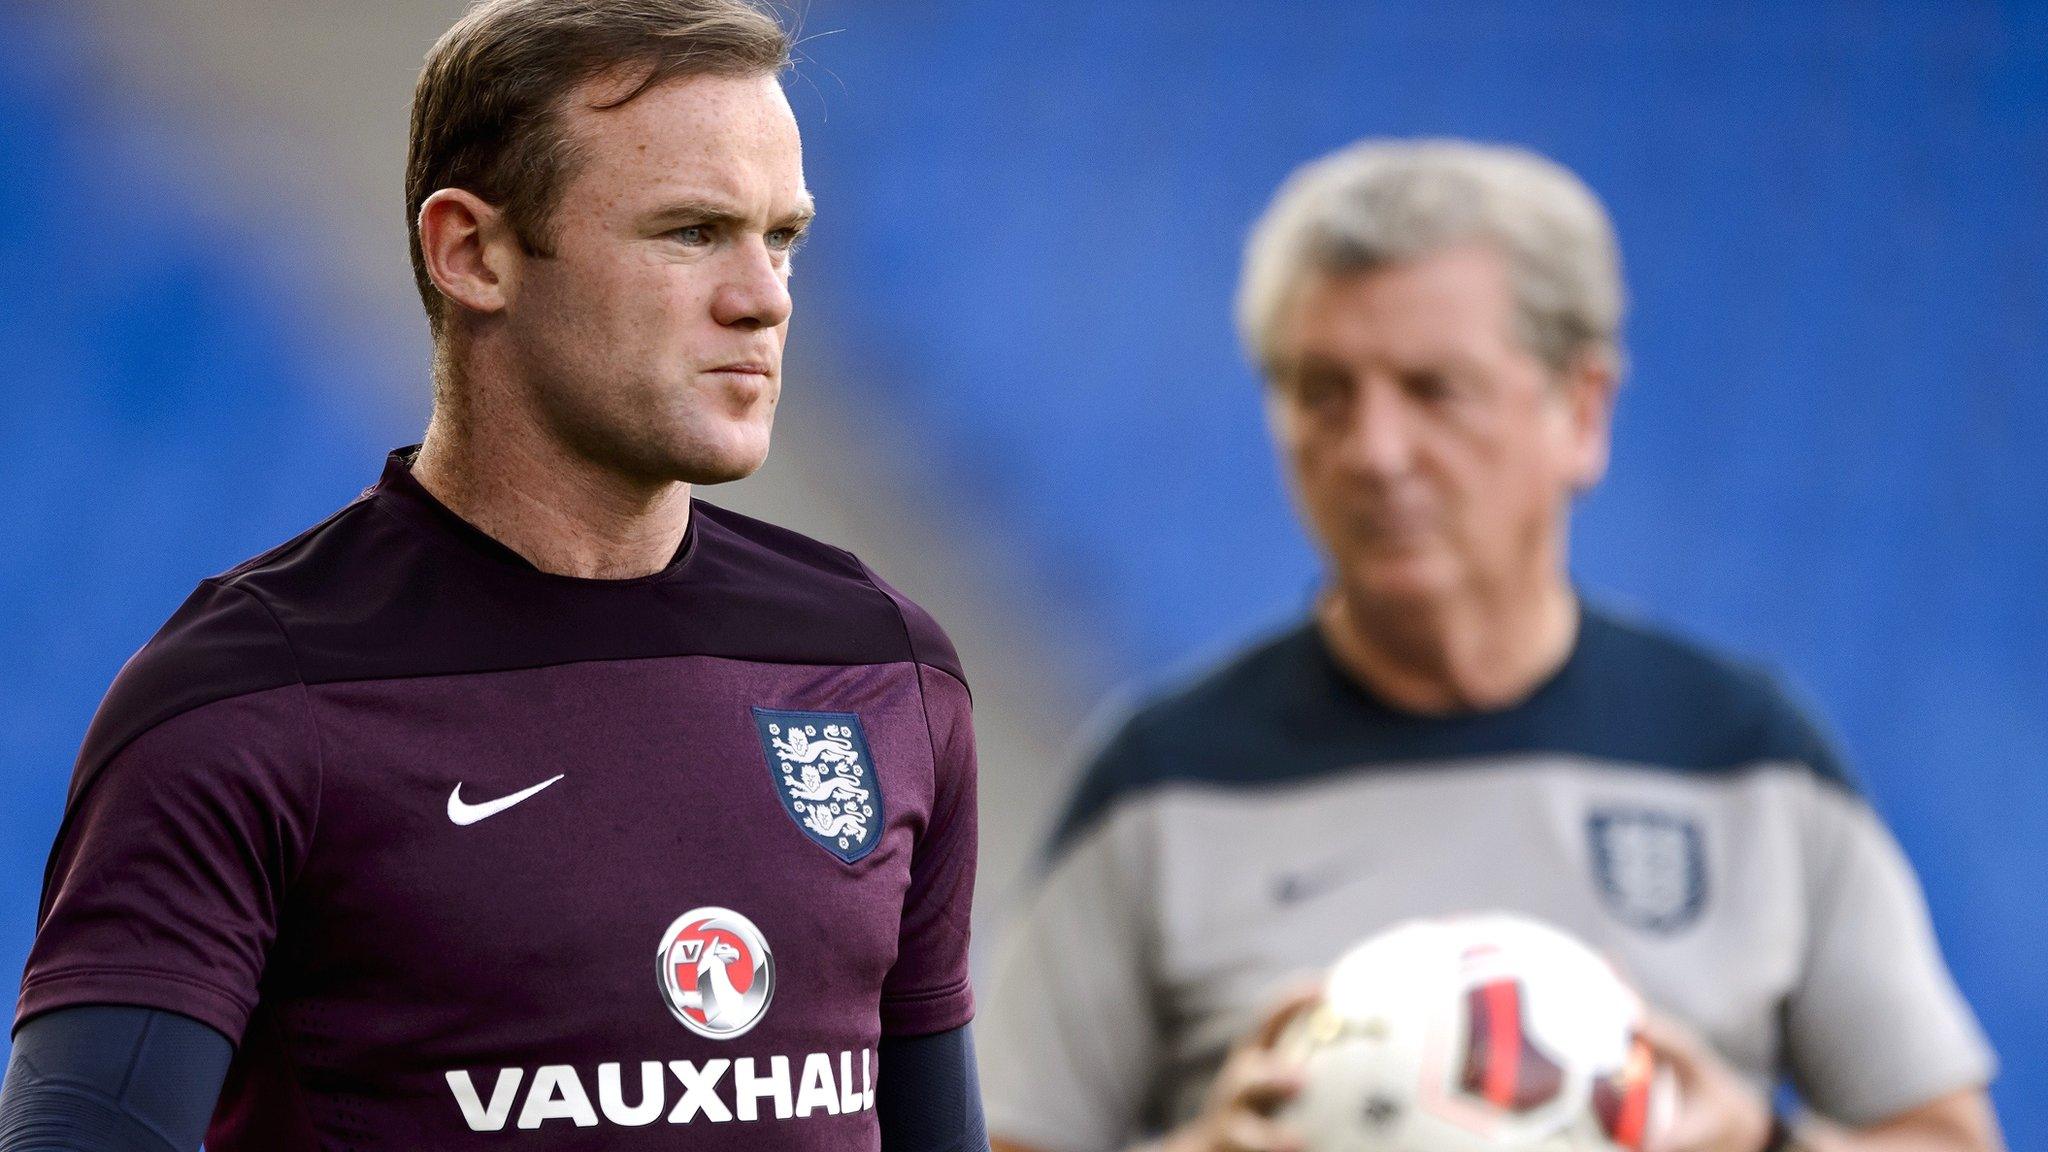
(221, 643)
(929, 644)
(1281, 710)
(396, 585)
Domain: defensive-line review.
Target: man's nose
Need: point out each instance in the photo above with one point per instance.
(755, 293)
(1380, 441)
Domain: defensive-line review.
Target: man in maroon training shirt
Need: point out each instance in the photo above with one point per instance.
(527, 803)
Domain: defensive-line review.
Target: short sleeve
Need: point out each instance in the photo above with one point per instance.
(166, 884)
(1069, 1036)
(1876, 1025)
(927, 988)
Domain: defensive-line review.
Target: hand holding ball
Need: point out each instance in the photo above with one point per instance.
(1490, 1033)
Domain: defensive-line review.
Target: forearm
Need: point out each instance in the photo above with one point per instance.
(928, 1094)
(101, 1078)
(1961, 1122)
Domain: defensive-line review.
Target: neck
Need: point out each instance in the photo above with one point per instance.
(563, 512)
(1470, 654)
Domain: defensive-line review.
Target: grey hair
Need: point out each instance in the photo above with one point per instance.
(1379, 202)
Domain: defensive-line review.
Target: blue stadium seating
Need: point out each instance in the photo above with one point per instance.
(1835, 218)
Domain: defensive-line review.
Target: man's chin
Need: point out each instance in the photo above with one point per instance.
(694, 464)
(716, 454)
(703, 477)
(1405, 580)
(722, 467)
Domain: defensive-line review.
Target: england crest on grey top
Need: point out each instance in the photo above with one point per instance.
(1651, 866)
(825, 778)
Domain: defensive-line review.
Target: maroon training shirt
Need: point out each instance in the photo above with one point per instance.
(465, 855)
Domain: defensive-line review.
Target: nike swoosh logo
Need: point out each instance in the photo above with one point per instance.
(465, 814)
(1308, 883)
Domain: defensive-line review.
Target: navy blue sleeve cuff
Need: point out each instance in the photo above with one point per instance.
(101, 1078)
(928, 1094)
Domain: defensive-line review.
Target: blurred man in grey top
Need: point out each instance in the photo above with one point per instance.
(1454, 729)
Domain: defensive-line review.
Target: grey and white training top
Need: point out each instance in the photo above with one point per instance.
(1673, 809)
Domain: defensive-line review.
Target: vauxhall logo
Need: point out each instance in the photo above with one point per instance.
(717, 977)
(704, 1092)
(716, 972)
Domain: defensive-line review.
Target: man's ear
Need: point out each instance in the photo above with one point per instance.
(471, 252)
(1590, 386)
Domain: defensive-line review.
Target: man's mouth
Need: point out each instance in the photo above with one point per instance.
(1392, 525)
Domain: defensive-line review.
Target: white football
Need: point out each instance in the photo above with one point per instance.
(1480, 1033)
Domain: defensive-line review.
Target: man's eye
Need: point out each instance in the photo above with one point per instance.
(786, 239)
(693, 234)
(1320, 389)
(1431, 386)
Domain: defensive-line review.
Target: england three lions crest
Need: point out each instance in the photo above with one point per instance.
(1651, 867)
(824, 777)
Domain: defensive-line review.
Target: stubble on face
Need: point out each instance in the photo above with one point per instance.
(649, 340)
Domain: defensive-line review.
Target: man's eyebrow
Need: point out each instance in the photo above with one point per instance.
(693, 212)
(801, 216)
(713, 213)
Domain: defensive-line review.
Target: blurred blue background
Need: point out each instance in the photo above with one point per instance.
(1831, 452)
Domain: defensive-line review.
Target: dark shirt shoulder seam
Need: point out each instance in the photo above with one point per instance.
(114, 753)
(947, 673)
(924, 706)
(312, 723)
(90, 774)
(283, 635)
(319, 783)
(931, 741)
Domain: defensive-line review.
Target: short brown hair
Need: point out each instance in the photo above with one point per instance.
(486, 114)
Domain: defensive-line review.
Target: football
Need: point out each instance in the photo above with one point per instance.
(1480, 1033)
